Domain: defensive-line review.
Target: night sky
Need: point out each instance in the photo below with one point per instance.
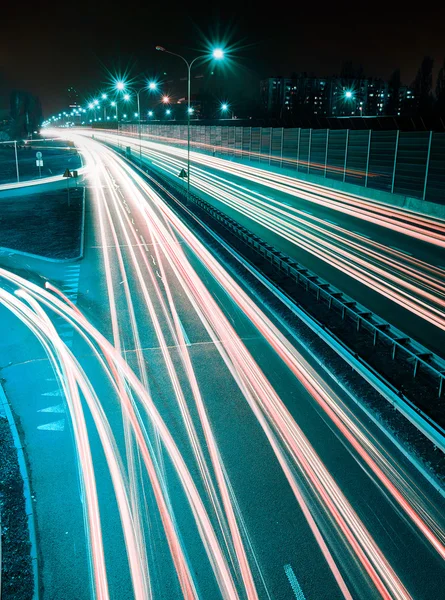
(49, 46)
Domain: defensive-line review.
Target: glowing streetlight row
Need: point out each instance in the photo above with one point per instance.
(121, 86)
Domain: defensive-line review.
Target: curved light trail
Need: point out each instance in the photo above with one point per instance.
(152, 267)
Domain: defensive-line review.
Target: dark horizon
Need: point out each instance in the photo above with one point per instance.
(65, 46)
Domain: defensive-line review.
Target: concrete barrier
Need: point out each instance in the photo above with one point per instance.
(37, 186)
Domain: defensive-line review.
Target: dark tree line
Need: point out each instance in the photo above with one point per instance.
(429, 103)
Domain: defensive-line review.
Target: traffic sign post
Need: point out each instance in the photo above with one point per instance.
(39, 162)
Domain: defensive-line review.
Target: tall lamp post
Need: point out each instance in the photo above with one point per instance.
(120, 86)
(104, 97)
(152, 85)
(218, 54)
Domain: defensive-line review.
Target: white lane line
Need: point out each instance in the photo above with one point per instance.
(296, 588)
(58, 408)
(330, 222)
(368, 237)
(402, 251)
(144, 243)
(52, 394)
(54, 426)
(66, 334)
(184, 333)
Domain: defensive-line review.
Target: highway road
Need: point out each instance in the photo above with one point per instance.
(203, 453)
(390, 260)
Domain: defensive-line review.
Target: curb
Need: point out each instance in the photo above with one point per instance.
(26, 490)
(57, 260)
(17, 185)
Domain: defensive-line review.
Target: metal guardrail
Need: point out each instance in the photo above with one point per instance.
(403, 347)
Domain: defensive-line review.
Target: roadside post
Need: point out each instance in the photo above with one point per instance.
(183, 175)
(68, 176)
(16, 161)
(39, 162)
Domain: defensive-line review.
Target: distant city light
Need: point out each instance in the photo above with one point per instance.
(168, 111)
(152, 85)
(224, 107)
(150, 113)
(136, 114)
(190, 110)
(104, 96)
(96, 102)
(126, 97)
(113, 104)
(348, 94)
(165, 99)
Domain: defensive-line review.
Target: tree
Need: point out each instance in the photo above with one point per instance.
(440, 90)
(394, 92)
(423, 85)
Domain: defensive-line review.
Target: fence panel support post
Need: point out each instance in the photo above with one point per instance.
(427, 165)
(309, 151)
(395, 161)
(282, 144)
(270, 146)
(326, 153)
(367, 158)
(298, 149)
(346, 155)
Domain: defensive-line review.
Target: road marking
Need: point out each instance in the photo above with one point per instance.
(52, 394)
(54, 426)
(143, 242)
(58, 408)
(402, 251)
(368, 237)
(296, 588)
(184, 333)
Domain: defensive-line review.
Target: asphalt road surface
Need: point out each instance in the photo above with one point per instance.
(391, 261)
(180, 445)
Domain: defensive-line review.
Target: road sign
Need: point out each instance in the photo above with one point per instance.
(183, 174)
(39, 155)
(67, 173)
(39, 163)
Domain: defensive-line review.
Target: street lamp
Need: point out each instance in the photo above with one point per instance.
(348, 94)
(151, 85)
(218, 54)
(104, 97)
(225, 107)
